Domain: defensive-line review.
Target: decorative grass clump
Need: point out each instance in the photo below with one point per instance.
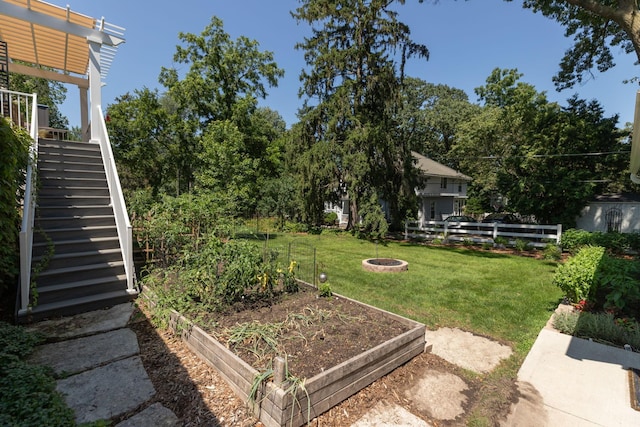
(600, 327)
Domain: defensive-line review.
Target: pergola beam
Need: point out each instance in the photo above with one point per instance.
(81, 82)
(47, 21)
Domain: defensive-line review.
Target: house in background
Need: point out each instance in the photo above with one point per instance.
(444, 193)
(612, 212)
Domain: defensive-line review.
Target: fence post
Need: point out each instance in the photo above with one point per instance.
(406, 230)
(559, 234)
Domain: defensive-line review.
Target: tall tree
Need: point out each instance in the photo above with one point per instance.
(356, 55)
(238, 163)
(223, 81)
(221, 71)
(547, 160)
(597, 26)
(429, 116)
(141, 133)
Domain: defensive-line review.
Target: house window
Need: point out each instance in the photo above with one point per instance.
(432, 210)
(443, 182)
(345, 207)
(459, 187)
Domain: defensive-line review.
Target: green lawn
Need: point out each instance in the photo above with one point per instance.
(506, 297)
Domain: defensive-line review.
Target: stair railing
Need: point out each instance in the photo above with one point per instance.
(22, 110)
(125, 231)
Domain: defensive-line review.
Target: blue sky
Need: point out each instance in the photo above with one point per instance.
(466, 39)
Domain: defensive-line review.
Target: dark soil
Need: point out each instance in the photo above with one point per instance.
(313, 333)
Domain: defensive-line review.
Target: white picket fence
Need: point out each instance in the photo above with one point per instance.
(536, 235)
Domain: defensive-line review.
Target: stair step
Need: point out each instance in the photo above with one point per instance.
(71, 167)
(72, 233)
(81, 288)
(81, 200)
(69, 158)
(59, 276)
(67, 211)
(77, 245)
(52, 223)
(47, 173)
(81, 268)
(60, 190)
(120, 279)
(77, 259)
(56, 144)
(72, 182)
(77, 305)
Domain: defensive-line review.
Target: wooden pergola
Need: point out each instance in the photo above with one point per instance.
(55, 43)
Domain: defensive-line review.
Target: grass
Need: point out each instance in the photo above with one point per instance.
(509, 298)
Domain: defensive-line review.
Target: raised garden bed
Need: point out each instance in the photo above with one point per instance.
(286, 404)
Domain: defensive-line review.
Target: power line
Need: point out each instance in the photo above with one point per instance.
(603, 153)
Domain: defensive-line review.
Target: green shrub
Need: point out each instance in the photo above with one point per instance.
(577, 277)
(552, 252)
(219, 275)
(28, 395)
(295, 227)
(501, 241)
(324, 290)
(180, 224)
(14, 152)
(573, 239)
(618, 286)
(330, 218)
(522, 245)
(606, 282)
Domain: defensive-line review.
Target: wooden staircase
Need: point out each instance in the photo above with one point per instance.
(77, 263)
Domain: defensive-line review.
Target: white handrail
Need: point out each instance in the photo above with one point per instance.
(125, 231)
(21, 117)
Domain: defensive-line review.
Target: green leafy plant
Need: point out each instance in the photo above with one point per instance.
(552, 252)
(619, 286)
(28, 395)
(577, 277)
(14, 152)
(324, 290)
(330, 218)
(501, 241)
(522, 245)
(617, 243)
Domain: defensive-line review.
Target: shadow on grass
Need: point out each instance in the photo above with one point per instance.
(479, 253)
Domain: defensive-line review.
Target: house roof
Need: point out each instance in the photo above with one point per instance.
(618, 198)
(430, 167)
